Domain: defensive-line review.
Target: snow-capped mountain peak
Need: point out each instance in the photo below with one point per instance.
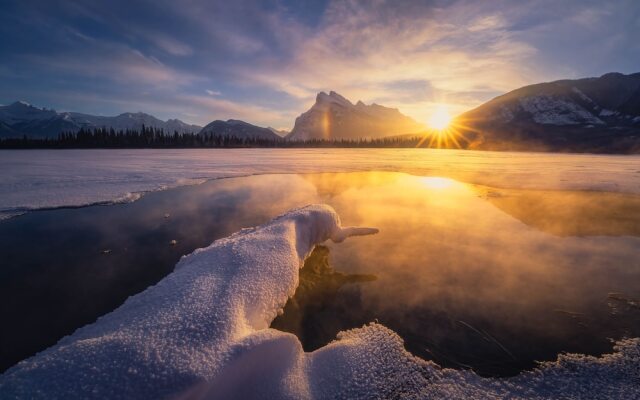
(21, 118)
(332, 98)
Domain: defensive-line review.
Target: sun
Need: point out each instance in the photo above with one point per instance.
(440, 119)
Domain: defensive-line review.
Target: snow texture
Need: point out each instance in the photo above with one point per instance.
(202, 333)
(582, 95)
(36, 179)
(555, 111)
(31, 120)
(505, 114)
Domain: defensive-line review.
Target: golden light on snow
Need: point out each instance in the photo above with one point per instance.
(435, 182)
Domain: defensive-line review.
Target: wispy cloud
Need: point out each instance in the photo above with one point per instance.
(270, 58)
(169, 44)
(363, 52)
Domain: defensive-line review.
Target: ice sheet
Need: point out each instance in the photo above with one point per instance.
(34, 179)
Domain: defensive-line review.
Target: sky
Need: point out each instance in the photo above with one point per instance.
(264, 61)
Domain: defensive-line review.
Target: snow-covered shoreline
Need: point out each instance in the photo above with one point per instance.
(202, 332)
(44, 179)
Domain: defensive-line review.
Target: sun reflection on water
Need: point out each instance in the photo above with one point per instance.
(434, 182)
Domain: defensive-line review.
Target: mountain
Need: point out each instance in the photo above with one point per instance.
(592, 114)
(7, 131)
(22, 118)
(279, 132)
(239, 129)
(133, 121)
(334, 117)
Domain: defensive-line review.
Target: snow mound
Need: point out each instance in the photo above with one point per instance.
(202, 333)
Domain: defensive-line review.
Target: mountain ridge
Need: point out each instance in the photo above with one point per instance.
(332, 116)
(590, 114)
(21, 118)
(596, 114)
(238, 129)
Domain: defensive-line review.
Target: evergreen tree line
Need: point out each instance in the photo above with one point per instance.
(149, 137)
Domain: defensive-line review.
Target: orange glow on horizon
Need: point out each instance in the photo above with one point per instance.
(445, 131)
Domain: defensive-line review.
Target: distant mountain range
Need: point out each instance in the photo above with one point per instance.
(279, 132)
(592, 114)
(334, 117)
(239, 129)
(22, 118)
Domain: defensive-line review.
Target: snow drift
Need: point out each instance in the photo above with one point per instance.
(202, 332)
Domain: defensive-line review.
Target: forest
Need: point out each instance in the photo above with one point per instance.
(148, 137)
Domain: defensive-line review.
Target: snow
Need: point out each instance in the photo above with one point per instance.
(23, 113)
(333, 97)
(505, 114)
(36, 179)
(130, 121)
(555, 111)
(202, 332)
(582, 95)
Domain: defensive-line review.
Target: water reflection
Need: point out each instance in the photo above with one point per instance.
(62, 269)
(467, 284)
(570, 213)
(471, 277)
(310, 313)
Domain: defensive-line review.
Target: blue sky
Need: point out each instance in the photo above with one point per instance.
(264, 61)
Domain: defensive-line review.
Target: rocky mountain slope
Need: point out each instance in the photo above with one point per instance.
(334, 117)
(592, 114)
(239, 129)
(21, 118)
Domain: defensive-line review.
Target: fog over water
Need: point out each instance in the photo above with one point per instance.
(470, 276)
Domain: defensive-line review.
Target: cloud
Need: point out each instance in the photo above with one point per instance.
(272, 57)
(215, 108)
(488, 22)
(191, 108)
(170, 45)
(363, 52)
(120, 64)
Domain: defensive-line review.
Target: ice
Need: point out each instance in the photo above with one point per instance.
(202, 333)
(35, 179)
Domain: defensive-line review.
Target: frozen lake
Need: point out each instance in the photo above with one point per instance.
(33, 179)
(470, 276)
(485, 263)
